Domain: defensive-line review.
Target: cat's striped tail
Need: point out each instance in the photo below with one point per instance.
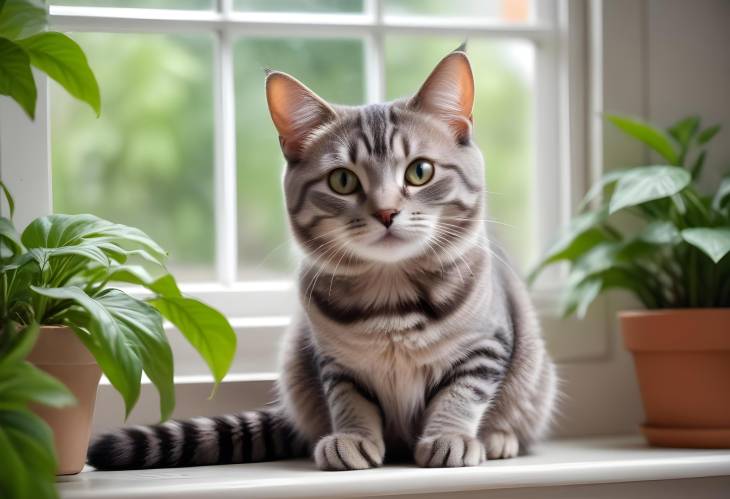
(245, 437)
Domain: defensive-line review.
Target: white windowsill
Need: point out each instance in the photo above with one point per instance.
(585, 462)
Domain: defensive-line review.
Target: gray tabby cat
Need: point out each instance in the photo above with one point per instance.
(414, 338)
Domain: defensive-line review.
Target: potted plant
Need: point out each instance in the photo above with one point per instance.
(59, 309)
(676, 260)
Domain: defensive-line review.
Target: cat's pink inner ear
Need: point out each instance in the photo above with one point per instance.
(449, 94)
(296, 112)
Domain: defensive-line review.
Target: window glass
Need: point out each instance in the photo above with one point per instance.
(148, 160)
(332, 68)
(498, 10)
(503, 113)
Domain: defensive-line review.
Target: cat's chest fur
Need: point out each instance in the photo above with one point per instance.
(400, 377)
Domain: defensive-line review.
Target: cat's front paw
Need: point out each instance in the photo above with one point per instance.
(502, 445)
(449, 451)
(348, 451)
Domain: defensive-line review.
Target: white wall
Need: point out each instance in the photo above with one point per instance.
(688, 69)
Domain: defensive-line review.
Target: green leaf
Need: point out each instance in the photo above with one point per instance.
(598, 187)
(87, 251)
(205, 328)
(713, 241)
(582, 293)
(63, 60)
(111, 348)
(14, 477)
(166, 286)
(649, 135)
(647, 183)
(142, 324)
(660, 233)
(9, 198)
(9, 236)
(27, 454)
(684, 130)
(59, 230)
(578, 298)
(21, 383)
(21, 18)
(722, 196)
(16, 78)
(22, 343)
(613, 254)
(707, 134)
(134, 274)
(699, 163)
(581, 235)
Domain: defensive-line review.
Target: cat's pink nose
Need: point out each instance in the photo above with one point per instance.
(386, 216)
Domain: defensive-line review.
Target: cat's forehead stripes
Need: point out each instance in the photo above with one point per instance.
(374, 129)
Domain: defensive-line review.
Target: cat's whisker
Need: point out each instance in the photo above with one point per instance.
(491, 252)
(334, 272)
(485, 220)
(333, 253)
(445, 242)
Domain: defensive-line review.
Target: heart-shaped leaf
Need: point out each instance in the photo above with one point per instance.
(713, 241)
(648, 183)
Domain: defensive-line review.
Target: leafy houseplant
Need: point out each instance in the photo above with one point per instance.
(59, 271)
(57, 300)
(676, 260)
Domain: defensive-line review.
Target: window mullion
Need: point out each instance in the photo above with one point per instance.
(25, 156)
(546, 187)
(225, 202)
(375, 53)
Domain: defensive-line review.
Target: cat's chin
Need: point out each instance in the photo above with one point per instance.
(390, 248)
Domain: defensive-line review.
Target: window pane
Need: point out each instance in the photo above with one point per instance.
(502, 119)
(331, 6)
(333, 69)
(150, 4)
(148, 161)
(498, 10)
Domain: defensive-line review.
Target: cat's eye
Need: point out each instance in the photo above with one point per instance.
(343, 181)
(419, 172)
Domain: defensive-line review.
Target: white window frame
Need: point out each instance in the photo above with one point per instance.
(562, 105)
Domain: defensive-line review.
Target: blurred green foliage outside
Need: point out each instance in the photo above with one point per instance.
(148, 161)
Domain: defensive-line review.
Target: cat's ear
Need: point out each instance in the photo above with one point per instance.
(295, 110)
(448, 93)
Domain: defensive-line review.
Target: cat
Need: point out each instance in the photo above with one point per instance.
(414, 337)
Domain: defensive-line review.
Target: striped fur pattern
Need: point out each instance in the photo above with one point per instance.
(415, 340)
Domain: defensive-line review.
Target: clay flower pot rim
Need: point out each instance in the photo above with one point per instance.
(680, 329)
(670, 311)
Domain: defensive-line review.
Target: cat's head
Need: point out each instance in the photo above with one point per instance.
(382, 182)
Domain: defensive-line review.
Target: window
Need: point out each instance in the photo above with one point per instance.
(186, 151)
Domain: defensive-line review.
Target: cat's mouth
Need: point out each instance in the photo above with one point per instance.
(389, 238)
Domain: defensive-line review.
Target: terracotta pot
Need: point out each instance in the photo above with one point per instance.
(682, 360)
(61, 354)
